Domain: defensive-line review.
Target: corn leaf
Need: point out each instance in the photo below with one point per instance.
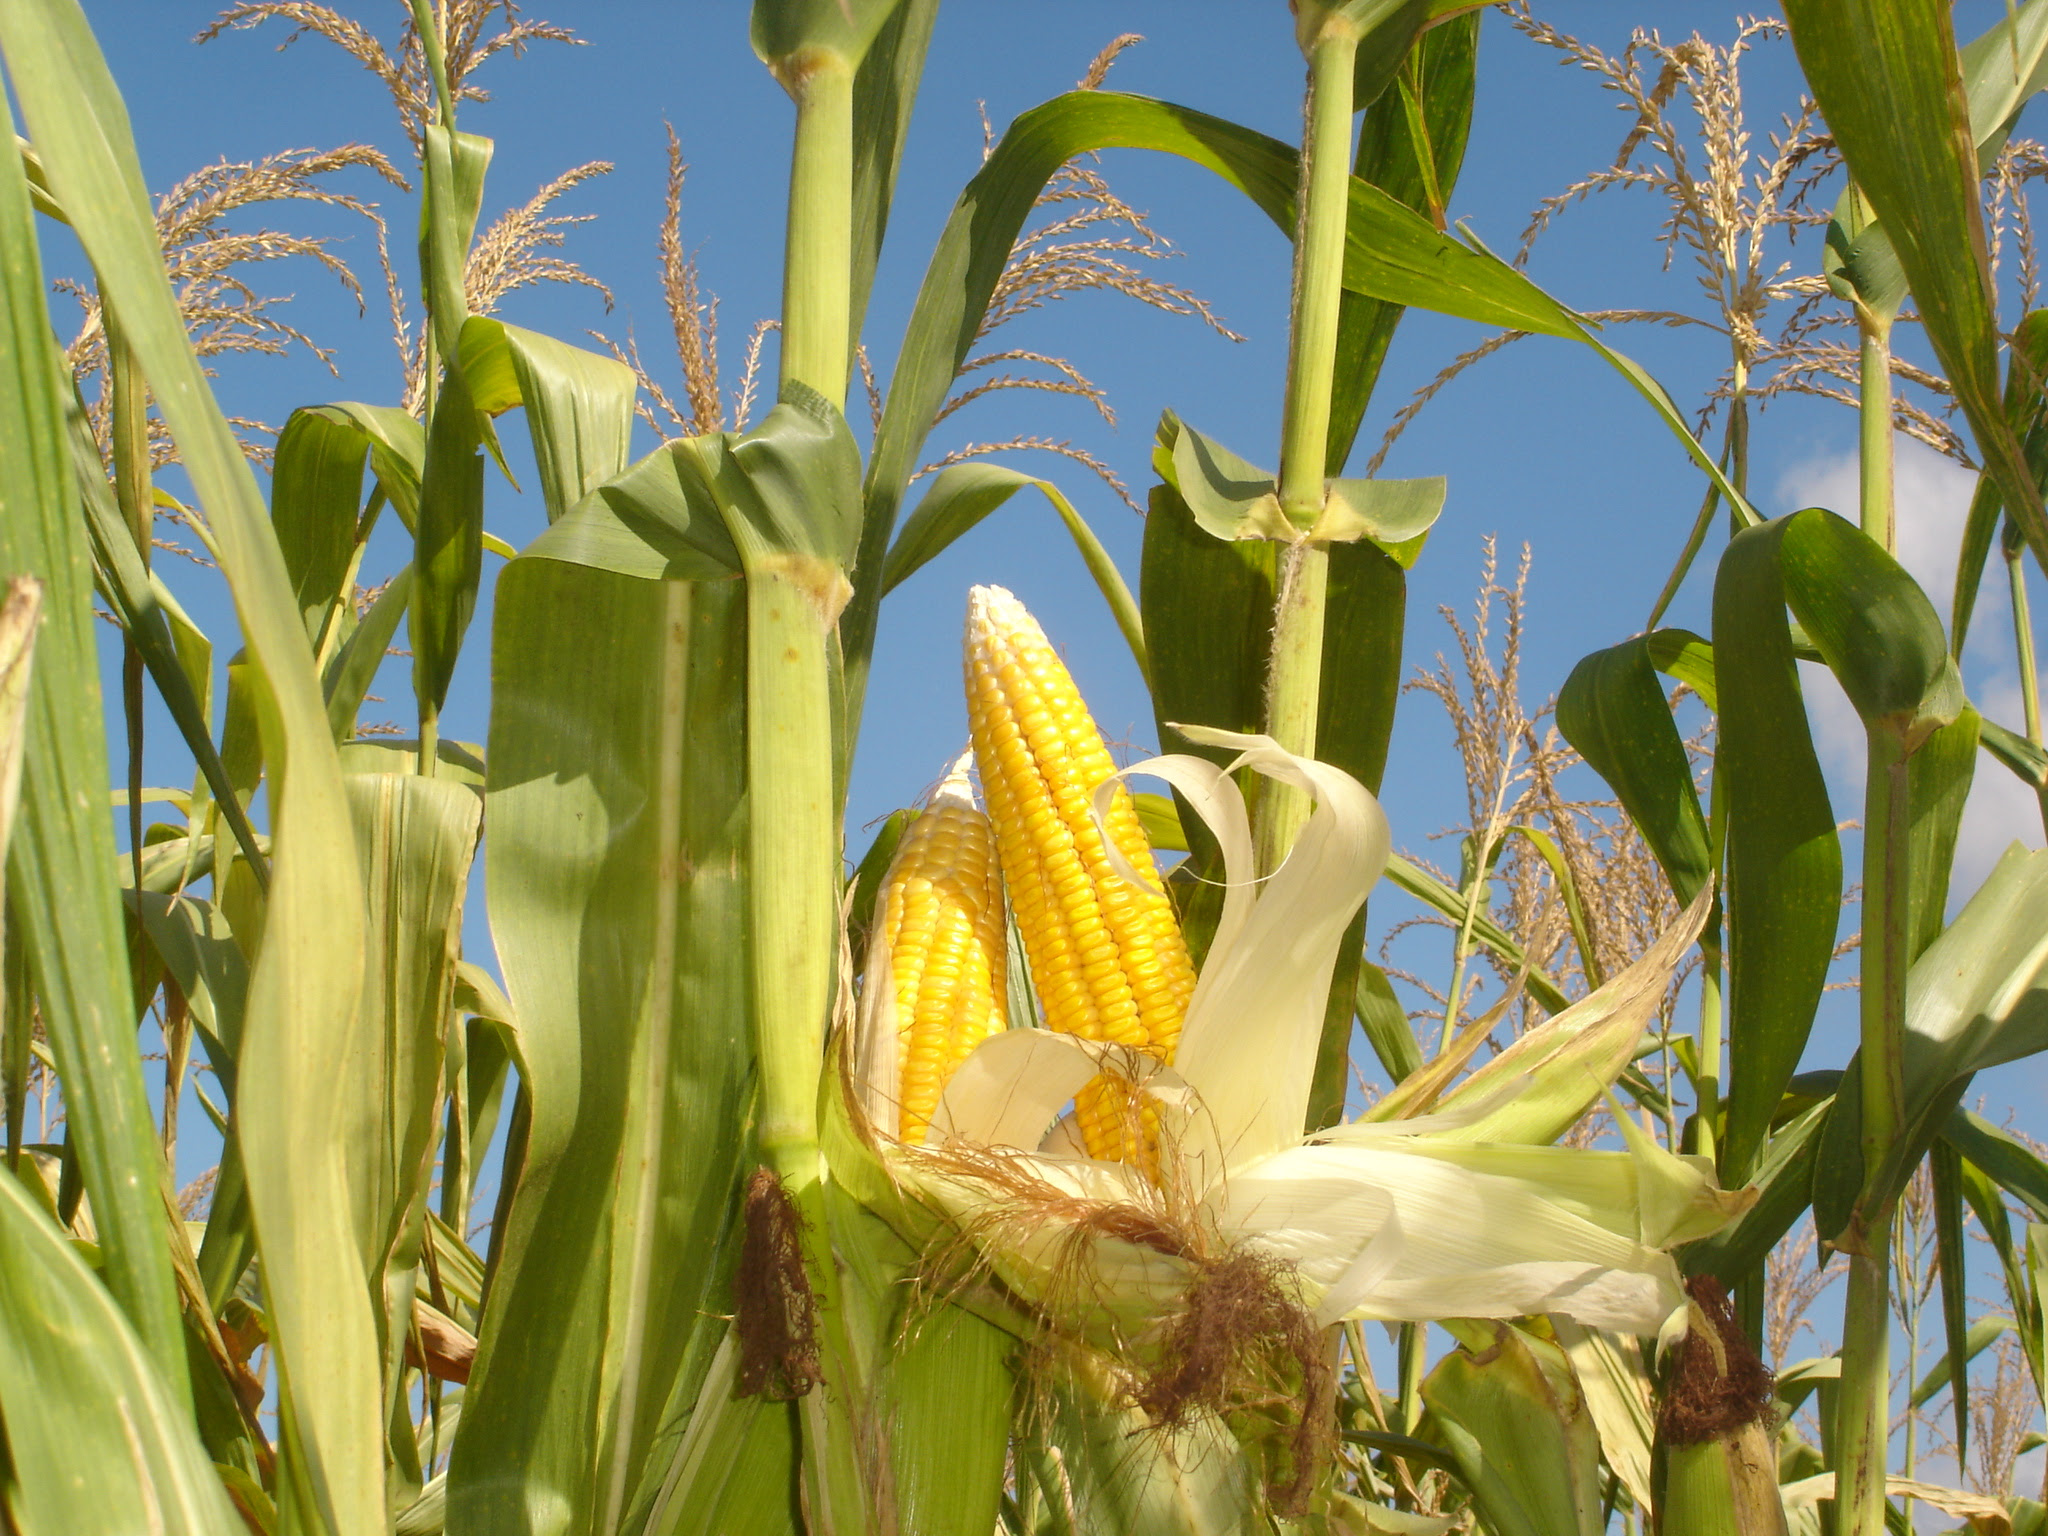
(98, 1444)
(1518, 1425)
(1784, 879)
(62, 854)
(415, 837)
(1386, 1025)
(1391, 253)
(733, 1471)
(455, 165)
(1782, 1175)
(949, 1386)
(448, 551)
(1364, 615)
(1938, 778)
(615, 795)
(294, 1135)
(2003, 1157)
(1620, 1397)
(1116, 1475)
(1889, 81)
(1612, 711)
(1207, 607)
(1411, 145)
(1945, 1179)
(2003, 69)
(1977, 997)
(884, 91)
(316, 494)
(398, 450)
(579, 404)
(347, 677)
(169, 645)
(1872, 624)
(785, 29)
(963, 494)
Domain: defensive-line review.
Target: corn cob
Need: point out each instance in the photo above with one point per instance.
(1106, 956)
(942, 931)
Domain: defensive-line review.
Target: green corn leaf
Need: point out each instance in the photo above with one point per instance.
(884, 91)
(1426, 888)
(98, 1444)
(653, 520)
(1363, 618)
(1117, 1475)
(1230, 498)
(1977, 997)
(448, 543)
(2024, 401)
(2002, 70)
(1945, 1175)
(1938, 779)
(1234, 500)
(1365, 607)
(162, 635)
(316, 494)
(1525, 1443)
(785, 30)
(309, 964)
(950, 1385)
(414, 837)
(1380, 55)
(455, 165)
(791, 486)
(1977, 1337)
(1394, 515)
(1782, 1175)
(1784, 879)
(1207, 607)
(616, 806)
(192, 940)
(61, 857)
(347, 677)
(1873, 626)
(866, 883)
(731, 1466)
(1612, 711)
(2003, 1157)
(963, 494)
(2025, 759)
(398, 450)
(1859, 260)
(1391, 253)
(1684, 656)
(579, 404)
(1386, 1024)
(1889, 81)
(1411, 145)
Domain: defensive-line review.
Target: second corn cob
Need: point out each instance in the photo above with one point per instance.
(1107, 957)
(941, 947)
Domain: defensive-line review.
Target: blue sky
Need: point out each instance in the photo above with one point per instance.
(1542, 444)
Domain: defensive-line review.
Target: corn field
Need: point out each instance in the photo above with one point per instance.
(609, 1135)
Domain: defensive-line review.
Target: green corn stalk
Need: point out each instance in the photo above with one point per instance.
(1329, 36)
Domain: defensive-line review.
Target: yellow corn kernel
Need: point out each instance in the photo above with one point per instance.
(1106, 956)
(942, 928)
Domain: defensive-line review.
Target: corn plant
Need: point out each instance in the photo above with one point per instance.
(1008, 1183)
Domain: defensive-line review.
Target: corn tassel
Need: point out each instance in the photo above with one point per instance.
(942, 941)
(1106, 956)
